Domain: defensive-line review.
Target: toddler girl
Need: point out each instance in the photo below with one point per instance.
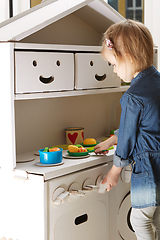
(128, 46)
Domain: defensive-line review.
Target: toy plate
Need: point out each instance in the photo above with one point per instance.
(77, 154)
(75, 157)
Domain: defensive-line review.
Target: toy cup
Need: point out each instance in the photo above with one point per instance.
(74, 135)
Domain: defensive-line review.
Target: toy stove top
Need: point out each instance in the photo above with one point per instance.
(67, 166)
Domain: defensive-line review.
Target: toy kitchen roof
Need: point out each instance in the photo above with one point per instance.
(77, 22)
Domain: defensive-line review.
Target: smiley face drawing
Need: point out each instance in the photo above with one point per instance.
(43, 71)
(94, 72)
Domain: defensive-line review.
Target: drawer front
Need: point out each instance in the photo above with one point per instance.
(93, 72)
(43, 71)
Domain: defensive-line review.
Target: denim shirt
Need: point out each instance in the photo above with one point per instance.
(139, 137)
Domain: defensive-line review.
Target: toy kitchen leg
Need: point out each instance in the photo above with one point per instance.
(23, 209)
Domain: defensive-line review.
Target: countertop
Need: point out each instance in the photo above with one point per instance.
(68, 166)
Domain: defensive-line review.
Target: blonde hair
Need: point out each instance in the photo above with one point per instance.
(133, 38)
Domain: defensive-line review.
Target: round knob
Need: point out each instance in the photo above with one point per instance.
(89, 185)
(59, 195)
(99, 180)
(75, 191)
(74, 186)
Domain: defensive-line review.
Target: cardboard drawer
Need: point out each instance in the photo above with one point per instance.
(43, 71)
(93, 72)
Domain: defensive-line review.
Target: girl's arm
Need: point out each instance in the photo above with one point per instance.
(113, 175)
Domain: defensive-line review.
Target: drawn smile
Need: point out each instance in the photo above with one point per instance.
(100, 78)
(46, 80)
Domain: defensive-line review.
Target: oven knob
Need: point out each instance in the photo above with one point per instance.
(99, 180)
(89, 185)
(75, 190)
(101, 187)
(59, 195)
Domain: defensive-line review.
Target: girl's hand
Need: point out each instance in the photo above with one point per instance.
(112, 177)
(101, 147)
(105, 145)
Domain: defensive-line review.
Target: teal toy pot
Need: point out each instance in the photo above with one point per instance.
(50, 157)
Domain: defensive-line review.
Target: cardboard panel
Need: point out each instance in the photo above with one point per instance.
(43, 71)
(93, 72)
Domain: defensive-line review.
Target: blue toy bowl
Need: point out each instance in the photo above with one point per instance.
(50, 157)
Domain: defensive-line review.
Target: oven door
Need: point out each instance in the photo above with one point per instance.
(81, 214)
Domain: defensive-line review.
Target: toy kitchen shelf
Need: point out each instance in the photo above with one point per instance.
(70, 93)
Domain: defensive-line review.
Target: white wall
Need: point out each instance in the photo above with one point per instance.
(18, 7)
(151, 20)
(4, 10)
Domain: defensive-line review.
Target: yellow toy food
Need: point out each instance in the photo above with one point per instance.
(73, 148)
(89, 141)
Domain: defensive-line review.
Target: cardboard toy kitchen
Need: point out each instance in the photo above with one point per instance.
(60, 40)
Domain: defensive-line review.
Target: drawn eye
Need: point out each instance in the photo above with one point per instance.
(34, 63)
(91, 63)
(109, 64)
(58, 63)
